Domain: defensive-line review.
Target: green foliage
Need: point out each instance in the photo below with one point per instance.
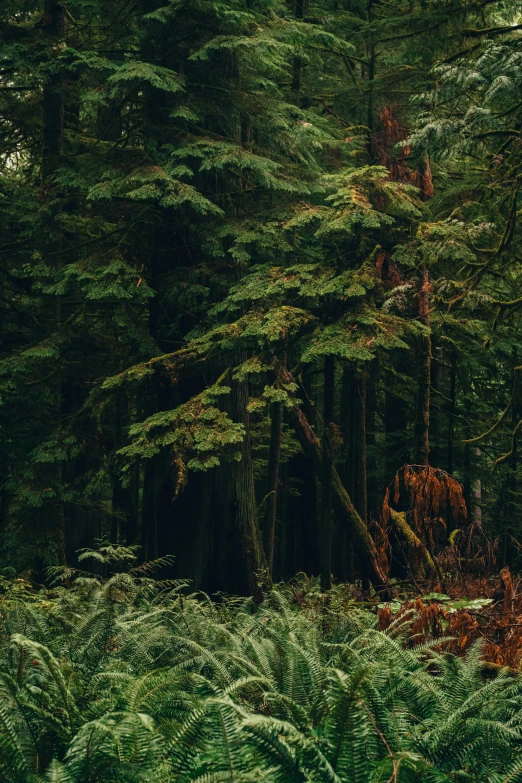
(366, 198)
(128, 679)
(197, 427)
(250, 186)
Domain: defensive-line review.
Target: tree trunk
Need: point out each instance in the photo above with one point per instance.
(149, 521)
(512, 504)
(240, 565)
(466, 484)
(303, 509)
(125, 499)
(286, 525)
(252, 554)
(50, 548)
(371, 57)
(434, 420)
(347, 422)
(325, 532)
(272, 484)
(53, 102)
(297, 62)
(355, 467)
(451, 411)
(419, 561)
(361, 489)
(109, 120)
(422, 413)
(342, 502)
(396, 418)
(374, 498)
(476, 493)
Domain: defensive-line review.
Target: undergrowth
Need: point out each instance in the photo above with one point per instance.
(129, 679)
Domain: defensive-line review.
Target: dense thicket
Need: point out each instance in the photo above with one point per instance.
(127, 679)
(256, 257)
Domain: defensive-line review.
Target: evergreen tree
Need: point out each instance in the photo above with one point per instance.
(246, 250)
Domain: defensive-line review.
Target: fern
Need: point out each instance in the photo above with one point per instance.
(125, 679)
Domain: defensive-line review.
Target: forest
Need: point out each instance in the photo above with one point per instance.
(260, 395)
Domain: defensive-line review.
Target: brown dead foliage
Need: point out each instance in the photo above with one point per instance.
(384, 142)
(432, 499)
(498, 624)
(381, 540)
(388, 271)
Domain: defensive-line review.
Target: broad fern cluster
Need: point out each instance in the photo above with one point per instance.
(128, 679)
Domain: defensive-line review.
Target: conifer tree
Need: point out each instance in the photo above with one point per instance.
(255, 258)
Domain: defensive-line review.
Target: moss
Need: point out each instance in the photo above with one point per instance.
(415, 545)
